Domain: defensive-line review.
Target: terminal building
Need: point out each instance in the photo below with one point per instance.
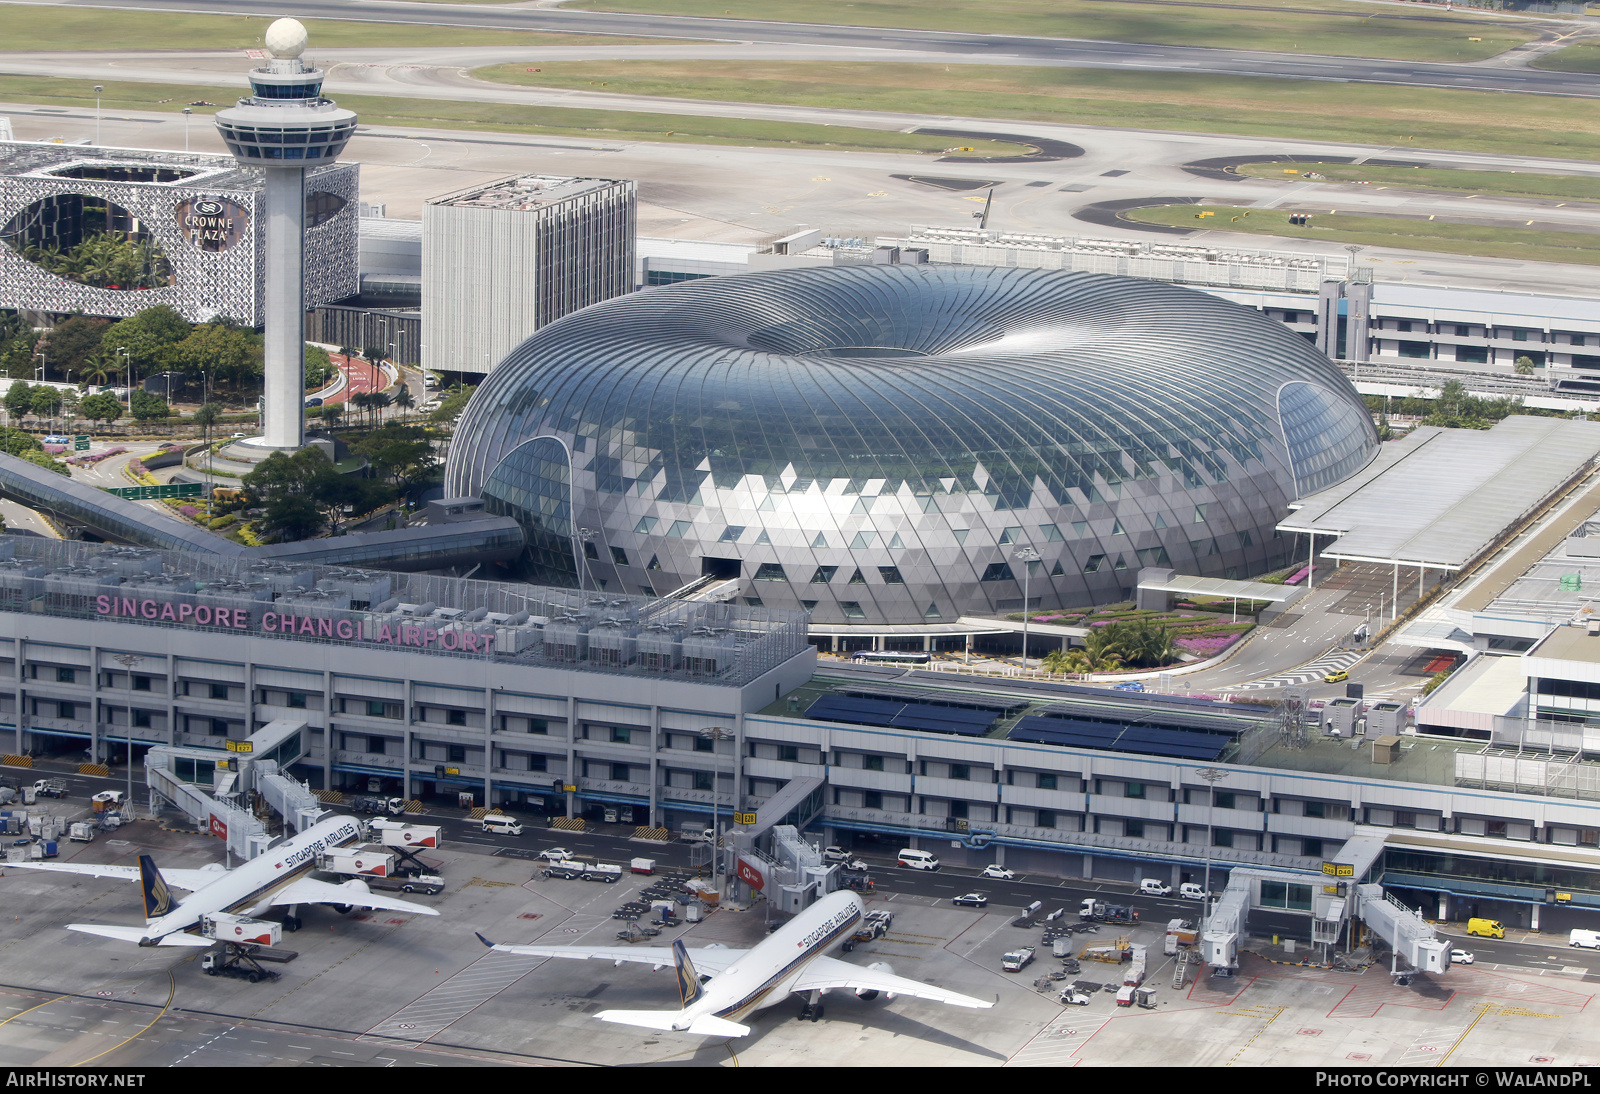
(541, 700)
(110, 231)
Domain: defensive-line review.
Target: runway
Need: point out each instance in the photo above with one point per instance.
(981, 48)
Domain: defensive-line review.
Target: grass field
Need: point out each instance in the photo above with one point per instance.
(1533, 125)
(1578, 57)
(32, 27)
(602, 125)
(1290, 26)
(1499, 183)
(1411, 234)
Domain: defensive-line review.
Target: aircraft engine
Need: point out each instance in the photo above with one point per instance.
(872, 993)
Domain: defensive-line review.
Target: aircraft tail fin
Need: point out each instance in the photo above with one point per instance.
(157, 897)
(689, 987)
(706, 1025)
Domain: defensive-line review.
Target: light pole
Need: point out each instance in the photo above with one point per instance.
(38, 373)
(716, 735)
(1027, 556)
(97, 90)
(127, 661)
(1212, 776)
(127, 364)
(187, 111)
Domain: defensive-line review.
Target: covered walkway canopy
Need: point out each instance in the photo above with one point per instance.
(1440, 498)
(1156, 580)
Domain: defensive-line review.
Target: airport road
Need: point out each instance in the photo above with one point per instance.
(1041, 51)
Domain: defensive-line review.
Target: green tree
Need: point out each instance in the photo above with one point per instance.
(17, 443)
(103, 407)
(46, 401)
(47, 461)
(206, 416)
(319, 368)
(148, 407)
(19, 399)
(71, 343)
(403, 399)
(401, 454)
(151, 338)
(227, 353)
(1524, 365)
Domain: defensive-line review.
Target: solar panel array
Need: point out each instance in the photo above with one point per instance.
(1116, 737)
(924, 697)
(1194, 721)
(898, 714)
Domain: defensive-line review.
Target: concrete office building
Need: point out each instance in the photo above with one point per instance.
(503, 260)
(182, 229)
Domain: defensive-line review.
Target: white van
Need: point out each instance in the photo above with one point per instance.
(1191, 890)
(917, 860)
(1151, 887)
(1589, 940)
(498, 822)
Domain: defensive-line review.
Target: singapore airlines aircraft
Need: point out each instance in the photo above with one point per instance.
(739, 982)
(275, 878)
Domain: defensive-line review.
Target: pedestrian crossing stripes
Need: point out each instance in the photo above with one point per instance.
(1335, 661)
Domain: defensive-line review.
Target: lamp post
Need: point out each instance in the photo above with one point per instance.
(1027, 556)
(716, 735)
(38, 373)
(1212, 776)
(127, 364)
(97, 90)
(187, 111)
(127, 661)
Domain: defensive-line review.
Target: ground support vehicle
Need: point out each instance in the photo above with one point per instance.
(860, 883)
(1096, 911)
(50, 788)
(81, 832)
(642, 866)
(236, 961)
(1072, 997)
(1017, 960)
(874, 924)
(367, 804)
(585, 871)
(431, 884)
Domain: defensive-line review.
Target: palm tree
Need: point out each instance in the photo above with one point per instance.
(403, 399)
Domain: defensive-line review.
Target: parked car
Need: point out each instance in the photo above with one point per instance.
(998, 872)
(1336, 677)
(835, 854)
(1462, 957)
(1152, 887)
(1191, 890)
(971, 900)
(1131, 685)
(917, 860)
(557, 854)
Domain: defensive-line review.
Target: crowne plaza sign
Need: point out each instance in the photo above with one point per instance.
(213, 224)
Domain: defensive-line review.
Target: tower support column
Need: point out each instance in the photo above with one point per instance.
(284, 369)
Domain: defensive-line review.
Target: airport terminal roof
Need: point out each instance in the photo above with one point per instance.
(1442, 496)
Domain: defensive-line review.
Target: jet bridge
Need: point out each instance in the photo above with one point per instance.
(1333, 904)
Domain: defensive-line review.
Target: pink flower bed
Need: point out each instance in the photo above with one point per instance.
(1209, 646)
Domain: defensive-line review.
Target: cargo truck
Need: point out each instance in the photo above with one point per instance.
(1097, 911)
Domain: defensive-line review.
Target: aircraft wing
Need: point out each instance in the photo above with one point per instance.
(187, 880)
(353, 892)
(829, 972)
(706, 960)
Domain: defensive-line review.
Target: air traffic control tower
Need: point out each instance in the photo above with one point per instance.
(283, 128)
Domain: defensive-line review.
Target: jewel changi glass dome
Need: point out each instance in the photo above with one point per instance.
(877, 443)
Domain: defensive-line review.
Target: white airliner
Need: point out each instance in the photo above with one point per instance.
(276, 878)
(739, 982)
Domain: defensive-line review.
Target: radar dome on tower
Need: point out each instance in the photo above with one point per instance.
(286, 38)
